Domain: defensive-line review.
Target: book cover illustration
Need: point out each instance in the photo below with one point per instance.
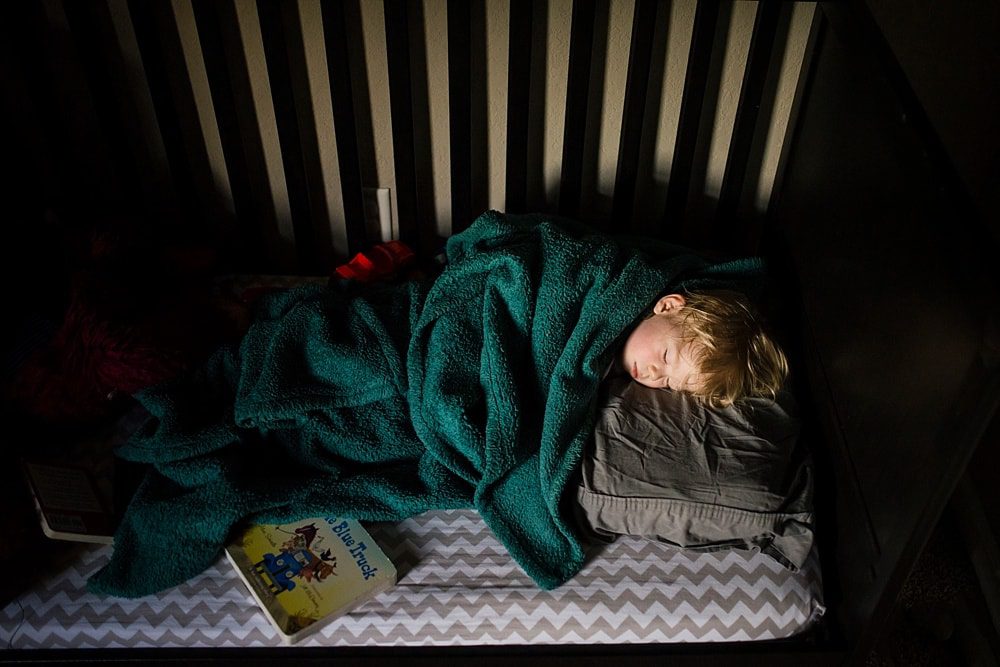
(310, 571)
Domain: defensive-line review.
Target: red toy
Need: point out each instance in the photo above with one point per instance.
(383, 261)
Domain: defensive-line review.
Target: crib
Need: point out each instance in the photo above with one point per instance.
(288, 136)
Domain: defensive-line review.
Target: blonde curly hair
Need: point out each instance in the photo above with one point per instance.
(735, 354)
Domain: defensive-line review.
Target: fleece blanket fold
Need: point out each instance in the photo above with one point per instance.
(473, 390)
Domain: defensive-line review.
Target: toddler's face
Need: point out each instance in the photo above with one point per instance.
(656, 354)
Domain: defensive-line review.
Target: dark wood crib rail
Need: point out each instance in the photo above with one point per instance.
(892, 251)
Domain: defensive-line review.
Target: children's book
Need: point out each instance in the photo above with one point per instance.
(79, 489)
(305, 574)
(69, 503)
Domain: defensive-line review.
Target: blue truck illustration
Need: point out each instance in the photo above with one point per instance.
(294, 561)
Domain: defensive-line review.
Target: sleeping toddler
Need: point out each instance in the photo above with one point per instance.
(712, 344)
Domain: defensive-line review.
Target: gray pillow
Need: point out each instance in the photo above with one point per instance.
(666, 466)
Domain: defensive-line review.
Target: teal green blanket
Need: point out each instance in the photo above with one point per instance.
(474, 390)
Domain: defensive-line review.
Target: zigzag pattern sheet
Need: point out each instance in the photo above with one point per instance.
(457, 586)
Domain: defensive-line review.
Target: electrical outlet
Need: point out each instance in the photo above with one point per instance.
(378, 213)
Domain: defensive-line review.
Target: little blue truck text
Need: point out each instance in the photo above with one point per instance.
(357, 549)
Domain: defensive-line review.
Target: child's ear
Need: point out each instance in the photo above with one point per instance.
(669, 303)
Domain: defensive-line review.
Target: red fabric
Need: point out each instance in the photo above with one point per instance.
(132, 321)
(74, 377)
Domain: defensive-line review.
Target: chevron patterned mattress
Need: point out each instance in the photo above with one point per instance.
(457, 586)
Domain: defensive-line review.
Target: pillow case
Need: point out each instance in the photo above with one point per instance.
(666, 466)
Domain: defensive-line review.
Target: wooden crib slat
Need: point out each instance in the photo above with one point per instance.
(320, 144)
(729, 230)
(602, 139)
(432, 102)
(397, 39)
(175, 68)
(236, 152)
(639, 62)
(695, 84)
(518, 89)
(90, 35)
(286, 73)
(134, 71)
(577, 92)
(460, 112)
(345, 126)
